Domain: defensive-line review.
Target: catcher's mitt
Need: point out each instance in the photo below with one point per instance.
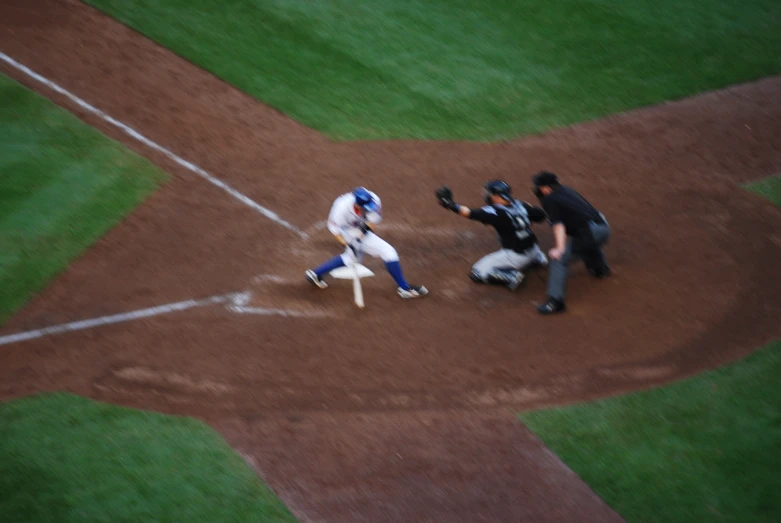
(444, 193)
(445, 197)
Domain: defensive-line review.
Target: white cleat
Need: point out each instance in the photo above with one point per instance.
(315, 280)
(413, 292)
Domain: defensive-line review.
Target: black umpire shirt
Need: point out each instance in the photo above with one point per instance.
(565, 205)
(512, 223)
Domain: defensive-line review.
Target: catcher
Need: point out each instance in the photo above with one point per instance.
(512, 220)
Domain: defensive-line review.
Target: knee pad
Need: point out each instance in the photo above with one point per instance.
(389, 255)
(348, 257)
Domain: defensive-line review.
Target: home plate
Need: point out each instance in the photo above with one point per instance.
(354, 272)
(348, 273)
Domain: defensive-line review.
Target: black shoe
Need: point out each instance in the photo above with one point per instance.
(515, 281)
(509, 278)
(552, 306)
(602, 272)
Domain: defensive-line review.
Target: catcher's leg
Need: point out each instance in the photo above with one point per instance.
(535, 257)
(500, 268)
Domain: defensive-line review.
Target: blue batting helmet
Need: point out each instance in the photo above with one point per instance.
(364, 200)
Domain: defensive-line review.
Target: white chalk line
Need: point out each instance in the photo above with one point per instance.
(240, 305)
(290, 313)
(235, 302)
(271, 215)
(116, 318)
(272, 278)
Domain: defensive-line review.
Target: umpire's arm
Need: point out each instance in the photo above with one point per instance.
(559, 230)
(536, 214)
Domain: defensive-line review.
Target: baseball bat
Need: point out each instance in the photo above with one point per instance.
(357, 289)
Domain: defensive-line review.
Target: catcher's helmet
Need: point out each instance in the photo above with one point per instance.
(497, 188)
(364, 200)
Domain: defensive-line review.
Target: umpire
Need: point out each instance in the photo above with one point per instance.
(579, 230)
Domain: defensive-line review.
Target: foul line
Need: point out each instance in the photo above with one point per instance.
(271, 215)
(116, 318)
(236, 302)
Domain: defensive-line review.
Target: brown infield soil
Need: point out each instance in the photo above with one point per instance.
(403, 411)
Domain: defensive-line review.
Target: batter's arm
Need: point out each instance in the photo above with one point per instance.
(337, 222)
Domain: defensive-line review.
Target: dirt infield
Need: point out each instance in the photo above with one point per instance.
(401, 412)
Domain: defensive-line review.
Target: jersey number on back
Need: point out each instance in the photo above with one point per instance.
(522, 225)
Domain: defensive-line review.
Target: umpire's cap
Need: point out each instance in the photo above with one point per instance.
(545, 179)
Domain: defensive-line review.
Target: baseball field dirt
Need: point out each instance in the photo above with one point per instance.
(402, 411)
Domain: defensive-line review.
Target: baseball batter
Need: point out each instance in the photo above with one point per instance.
(512, 220)
(351, 220)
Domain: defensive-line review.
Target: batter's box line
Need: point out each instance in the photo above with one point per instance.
(240, 304)
(288, 313)
(235, 302)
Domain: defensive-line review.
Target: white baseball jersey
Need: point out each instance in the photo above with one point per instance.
(343, 220)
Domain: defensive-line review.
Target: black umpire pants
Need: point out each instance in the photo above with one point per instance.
(586, 247)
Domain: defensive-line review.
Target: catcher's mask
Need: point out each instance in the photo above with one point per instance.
(496, 188)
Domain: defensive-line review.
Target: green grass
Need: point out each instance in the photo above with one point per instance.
(770, 188)
(69, 459)
(704, 449)
(463, 69)
(62, 185)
